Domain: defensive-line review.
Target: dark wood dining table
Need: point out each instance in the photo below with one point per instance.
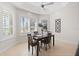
(39, 38)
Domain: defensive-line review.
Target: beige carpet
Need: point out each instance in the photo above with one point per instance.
(61, 48)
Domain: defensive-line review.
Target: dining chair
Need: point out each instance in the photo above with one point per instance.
(46, 41)
(31, 42)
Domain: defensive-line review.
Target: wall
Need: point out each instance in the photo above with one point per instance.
(69, 23)
(10, 10)
(7, 42)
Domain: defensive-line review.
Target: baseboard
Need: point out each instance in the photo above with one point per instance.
(6, 44)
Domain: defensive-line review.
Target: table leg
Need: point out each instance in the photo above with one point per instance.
(53, 40)
(28, 46)
(38, 48)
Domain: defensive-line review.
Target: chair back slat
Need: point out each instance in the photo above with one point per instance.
(30, 39)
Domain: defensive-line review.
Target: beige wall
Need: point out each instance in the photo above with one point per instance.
(6, 42)
(69, 23)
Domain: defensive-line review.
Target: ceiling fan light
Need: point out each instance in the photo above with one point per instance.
(42, 6)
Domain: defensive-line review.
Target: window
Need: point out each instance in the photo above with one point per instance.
(5, 23)
(42, 25)
(24, 24)
(28, 25)
(32, 25)
(44, 22)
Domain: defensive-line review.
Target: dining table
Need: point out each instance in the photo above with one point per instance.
(39, 38)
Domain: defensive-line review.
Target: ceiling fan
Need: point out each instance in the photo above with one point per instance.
(46, 4)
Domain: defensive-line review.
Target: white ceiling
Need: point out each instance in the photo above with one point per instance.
(36, 6)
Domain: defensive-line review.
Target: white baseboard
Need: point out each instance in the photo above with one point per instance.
(6, 44)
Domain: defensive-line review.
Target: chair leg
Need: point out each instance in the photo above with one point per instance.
(49, 45)
(39, 48)
(28, 47)
(41, 44)
(32, 50)
(45, 46)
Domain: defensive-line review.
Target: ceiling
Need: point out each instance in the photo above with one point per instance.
(36, 6)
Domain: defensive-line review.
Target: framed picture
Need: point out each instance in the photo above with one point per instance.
(58, 25)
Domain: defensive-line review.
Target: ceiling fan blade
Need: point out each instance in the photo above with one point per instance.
(50, 3)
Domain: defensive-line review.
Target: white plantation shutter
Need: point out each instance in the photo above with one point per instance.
(5, 23)
(1, 25)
